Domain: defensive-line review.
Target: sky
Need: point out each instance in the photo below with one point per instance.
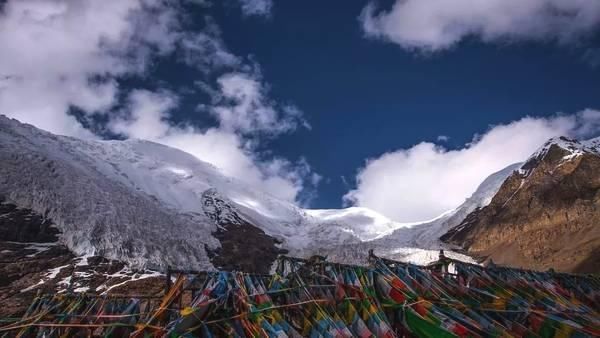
(400, 106)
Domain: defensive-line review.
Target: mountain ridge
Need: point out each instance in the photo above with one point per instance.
(153, 206)
(143, 203)
(544, 215)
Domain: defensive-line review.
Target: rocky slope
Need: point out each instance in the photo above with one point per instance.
(244, 247)
(32, 261)
(545, 215)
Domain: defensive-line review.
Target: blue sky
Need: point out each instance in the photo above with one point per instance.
(364, 97)
(403, 109)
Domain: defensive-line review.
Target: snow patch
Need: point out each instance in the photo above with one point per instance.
(38, 248)
(52, 273)
(424, 257)
(179, 172)
(83, 260)
(65, 282)
(126, 273)
(574, 149)
(33, 286)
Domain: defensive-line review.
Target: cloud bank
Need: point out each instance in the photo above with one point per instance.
(58, 55)
(423, 181)
(433, 25)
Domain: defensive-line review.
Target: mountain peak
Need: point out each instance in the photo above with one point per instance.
(145, 203)
(558, 150)
(572, 145)
(553, 196)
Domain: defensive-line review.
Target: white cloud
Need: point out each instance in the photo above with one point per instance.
(243, 106)
(206, 51)
(425, 180)
(256, 7)
(147, 118)
(148, 113)
(59, 54)
(432, 25)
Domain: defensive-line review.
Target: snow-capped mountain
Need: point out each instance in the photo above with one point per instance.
(151, 205)
(70, 182)
(419, 242)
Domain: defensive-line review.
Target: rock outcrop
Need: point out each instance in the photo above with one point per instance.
(244, 247)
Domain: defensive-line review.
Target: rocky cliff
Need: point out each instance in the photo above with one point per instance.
(545, 215)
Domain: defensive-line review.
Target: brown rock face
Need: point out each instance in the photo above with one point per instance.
(244, 247)
(545, 216)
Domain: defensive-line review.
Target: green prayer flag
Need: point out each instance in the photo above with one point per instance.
(424, 328)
